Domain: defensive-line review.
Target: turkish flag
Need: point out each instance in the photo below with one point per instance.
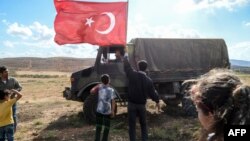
(97, 23)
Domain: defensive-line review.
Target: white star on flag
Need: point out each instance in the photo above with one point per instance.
(89, 21)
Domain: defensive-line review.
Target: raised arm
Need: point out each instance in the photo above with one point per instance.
(17, 93)
(127, 67)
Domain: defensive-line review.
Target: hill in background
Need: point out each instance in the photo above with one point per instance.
(241, 63)
(65, 64)
(62, 64)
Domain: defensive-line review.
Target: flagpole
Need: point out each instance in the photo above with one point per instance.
(127, 24)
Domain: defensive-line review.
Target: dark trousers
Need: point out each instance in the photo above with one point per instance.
(135, 110)
(102, 120)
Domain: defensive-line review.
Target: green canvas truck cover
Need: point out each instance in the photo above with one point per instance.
(179, 58)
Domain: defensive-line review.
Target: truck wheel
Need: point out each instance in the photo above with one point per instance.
(188, 107)
(187, 104)
(172, 102)
(89, 108)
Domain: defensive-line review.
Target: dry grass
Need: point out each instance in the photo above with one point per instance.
(51, 73)
(42, 104)
(245, 78)
(44, 115)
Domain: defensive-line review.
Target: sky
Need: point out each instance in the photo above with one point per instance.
(27, 26)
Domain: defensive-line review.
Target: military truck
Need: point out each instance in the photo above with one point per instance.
(170, 62)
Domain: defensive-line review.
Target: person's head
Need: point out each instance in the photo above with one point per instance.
(4, 95)
(142, 65)
(105, 79)
(4, 72)
(221, 98)
(119, 53)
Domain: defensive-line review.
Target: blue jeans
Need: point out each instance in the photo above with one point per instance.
(7, 132)
(135, 110)
(14, 107)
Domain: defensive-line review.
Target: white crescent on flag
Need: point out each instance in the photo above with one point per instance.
(112, 23)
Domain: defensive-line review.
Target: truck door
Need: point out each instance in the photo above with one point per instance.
(109, 64)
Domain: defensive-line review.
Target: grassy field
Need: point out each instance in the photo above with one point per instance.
(245, 78)
(44, 115)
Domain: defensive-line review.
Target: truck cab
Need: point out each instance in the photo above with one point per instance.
(82, 81)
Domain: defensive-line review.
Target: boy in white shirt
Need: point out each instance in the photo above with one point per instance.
(105, 107)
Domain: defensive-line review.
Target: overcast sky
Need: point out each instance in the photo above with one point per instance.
(26, 26)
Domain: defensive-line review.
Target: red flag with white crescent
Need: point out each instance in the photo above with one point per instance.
(90, 21)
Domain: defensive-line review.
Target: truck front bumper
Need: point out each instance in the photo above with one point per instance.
(67, 93)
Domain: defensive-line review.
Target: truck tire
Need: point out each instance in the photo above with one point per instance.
(188, 107)
(89, 108)
(172, 102)
(187, 104)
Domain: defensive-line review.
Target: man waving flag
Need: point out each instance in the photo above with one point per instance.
(98, 22)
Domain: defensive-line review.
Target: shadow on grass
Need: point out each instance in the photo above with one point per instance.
(174, 111)
(75, 128)
(167, 126)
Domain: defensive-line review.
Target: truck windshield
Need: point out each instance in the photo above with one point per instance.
(109, 56)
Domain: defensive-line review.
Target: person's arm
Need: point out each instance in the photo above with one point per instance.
(127, 67)
(113, 96)
(153, 94)
(95, 89)
(17, 86)
(113, 108)
(17, 93)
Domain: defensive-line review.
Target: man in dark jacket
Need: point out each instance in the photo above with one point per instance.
(140, 87)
